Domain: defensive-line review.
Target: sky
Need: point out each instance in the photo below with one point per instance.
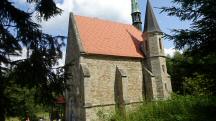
(113, 10)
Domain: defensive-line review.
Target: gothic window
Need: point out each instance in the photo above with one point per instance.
(146, 45)
(163, 68)
(166, 87)
(137, 17)
(160, 44)
(71, 105)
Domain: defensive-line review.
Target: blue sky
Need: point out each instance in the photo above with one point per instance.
(114, 10)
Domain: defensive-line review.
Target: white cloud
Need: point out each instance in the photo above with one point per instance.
(171, 51)
(61, 62)
(21, 1)
(115, 10)
(24, 56)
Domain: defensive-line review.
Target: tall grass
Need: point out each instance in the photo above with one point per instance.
(179, 108)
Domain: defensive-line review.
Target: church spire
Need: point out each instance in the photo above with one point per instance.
(136, 14)
(151, 24)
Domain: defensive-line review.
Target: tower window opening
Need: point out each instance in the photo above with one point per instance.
(146, 45)
(163, 68)
(160, 44)
(166, 87)
(137, 17)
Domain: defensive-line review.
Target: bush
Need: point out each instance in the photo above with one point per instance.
(200, 85)
(179, 108)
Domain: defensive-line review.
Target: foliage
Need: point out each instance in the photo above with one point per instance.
(179, 108)
(177, 68)
(198, 62)
(200, 38)
(20, 100)
(110, 115)
(19, 32)
(189, 76)
(200, 85)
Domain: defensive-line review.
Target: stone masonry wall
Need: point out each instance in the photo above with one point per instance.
(99, 87)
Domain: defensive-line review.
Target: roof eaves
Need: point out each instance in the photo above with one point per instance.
(122, 56)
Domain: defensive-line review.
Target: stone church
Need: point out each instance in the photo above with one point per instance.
(114, 65)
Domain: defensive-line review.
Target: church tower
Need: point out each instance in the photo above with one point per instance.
(136, 14)
(158, 81)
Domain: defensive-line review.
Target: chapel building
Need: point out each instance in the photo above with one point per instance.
(114, 65)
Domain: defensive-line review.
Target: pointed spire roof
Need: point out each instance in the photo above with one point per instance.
(151, 24)
(134, 6)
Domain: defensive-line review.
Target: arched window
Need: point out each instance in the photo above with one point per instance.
(160, 44)
(166, 87)
(146, 45)
(163, 68)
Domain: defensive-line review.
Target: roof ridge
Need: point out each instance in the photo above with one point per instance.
(105, 20)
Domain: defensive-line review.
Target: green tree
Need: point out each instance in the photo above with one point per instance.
(199, 40)
(179, 67)
(187, 76)
(199, 84)
(201, 37)
(17, 32)
(21, 100)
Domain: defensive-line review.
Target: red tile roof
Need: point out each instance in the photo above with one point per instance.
(60, 100)
(109, 38)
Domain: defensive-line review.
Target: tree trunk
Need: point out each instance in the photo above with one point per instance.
(2, 114)
(2, 105)
(2, 98)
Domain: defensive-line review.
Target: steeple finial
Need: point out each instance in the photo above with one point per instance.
(151, 24)
(136, 14)
(135, 6)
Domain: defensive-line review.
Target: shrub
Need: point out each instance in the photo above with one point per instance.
(179, 108)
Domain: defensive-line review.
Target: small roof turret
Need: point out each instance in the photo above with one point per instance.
(136, 15)
(151, 24)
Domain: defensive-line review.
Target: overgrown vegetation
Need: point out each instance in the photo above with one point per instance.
(193, 72)
(18, 32)
(188, 77)
(20, 101)
(179, 108)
